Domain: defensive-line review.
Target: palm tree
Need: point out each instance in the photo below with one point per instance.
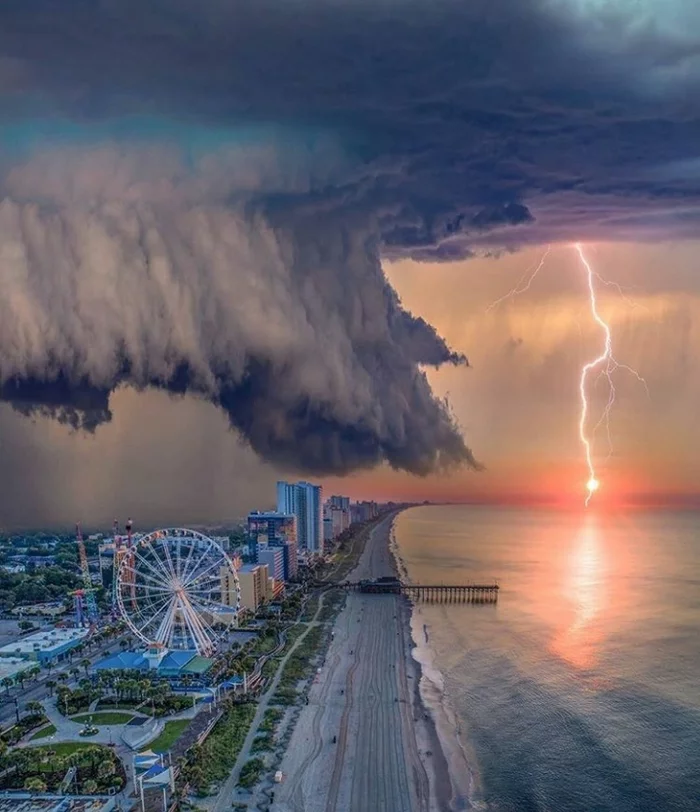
(50, 684)
(33, 707)
(7, 682)
(144, 686)
(75, 672)
(85, 662)
(105, 769)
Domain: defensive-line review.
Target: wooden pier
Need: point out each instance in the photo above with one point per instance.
(432, 593)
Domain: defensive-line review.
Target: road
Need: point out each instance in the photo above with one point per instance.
(363, 699)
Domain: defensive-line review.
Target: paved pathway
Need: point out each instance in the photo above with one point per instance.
(69, 731)
(225, 797)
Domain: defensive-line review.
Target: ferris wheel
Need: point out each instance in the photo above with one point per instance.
(177, 589)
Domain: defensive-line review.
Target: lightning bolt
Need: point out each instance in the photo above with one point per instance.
(605, 362)
(608, 364)
(524, 284)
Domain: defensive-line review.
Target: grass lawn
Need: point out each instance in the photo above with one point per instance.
(49, 730)
(104, 717)
(171, 732)
(68, 748)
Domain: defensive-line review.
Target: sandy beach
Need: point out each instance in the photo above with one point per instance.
(386, 756)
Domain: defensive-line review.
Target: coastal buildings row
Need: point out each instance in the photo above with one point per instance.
(296, 532)
(269, 553)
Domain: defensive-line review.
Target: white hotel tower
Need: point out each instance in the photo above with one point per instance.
(304, 500)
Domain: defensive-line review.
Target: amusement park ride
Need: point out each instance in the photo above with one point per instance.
(86, 613)
(174, 588)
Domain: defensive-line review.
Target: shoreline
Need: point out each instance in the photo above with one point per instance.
(450, 770)
(431, 751)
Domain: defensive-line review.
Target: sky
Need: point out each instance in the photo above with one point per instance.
(519, 403)
(229, 248)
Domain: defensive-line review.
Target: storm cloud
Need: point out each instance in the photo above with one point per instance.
(197, 196)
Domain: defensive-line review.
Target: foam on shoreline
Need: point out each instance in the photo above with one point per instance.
(434, 705)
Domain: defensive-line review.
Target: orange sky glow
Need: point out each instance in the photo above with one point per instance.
(518, 403)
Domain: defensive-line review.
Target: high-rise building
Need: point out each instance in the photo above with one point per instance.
(327, 528)
(286, 497)
(229, 595)
(364, 511)
(304, 500)
(274, 558)
(271, 526)
(336, 517)
(291, 560)
(275, 530)
(339, 502)
(254, 584)
(340, 521)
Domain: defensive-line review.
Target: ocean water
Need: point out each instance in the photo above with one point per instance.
(580, 690)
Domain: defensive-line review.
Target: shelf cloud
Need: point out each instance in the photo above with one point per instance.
(198, 196)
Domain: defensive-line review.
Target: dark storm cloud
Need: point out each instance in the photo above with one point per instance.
(183, 257)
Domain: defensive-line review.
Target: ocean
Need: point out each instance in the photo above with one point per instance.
(580, 690)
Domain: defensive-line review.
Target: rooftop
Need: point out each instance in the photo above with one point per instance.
(11, 666)
(43, 641)
(26, 802)
(249, 568)
(173, 663)
(198, 665)
(123, 661)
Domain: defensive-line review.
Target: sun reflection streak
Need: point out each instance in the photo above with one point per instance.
(585, 585)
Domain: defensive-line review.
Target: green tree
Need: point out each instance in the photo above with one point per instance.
(35, 784)
(50, 684)
(7, 683)
(33, 707)
(105, 769)
(90, 787)
(85, 664)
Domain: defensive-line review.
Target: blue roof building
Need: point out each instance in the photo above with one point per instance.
(174, 665)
